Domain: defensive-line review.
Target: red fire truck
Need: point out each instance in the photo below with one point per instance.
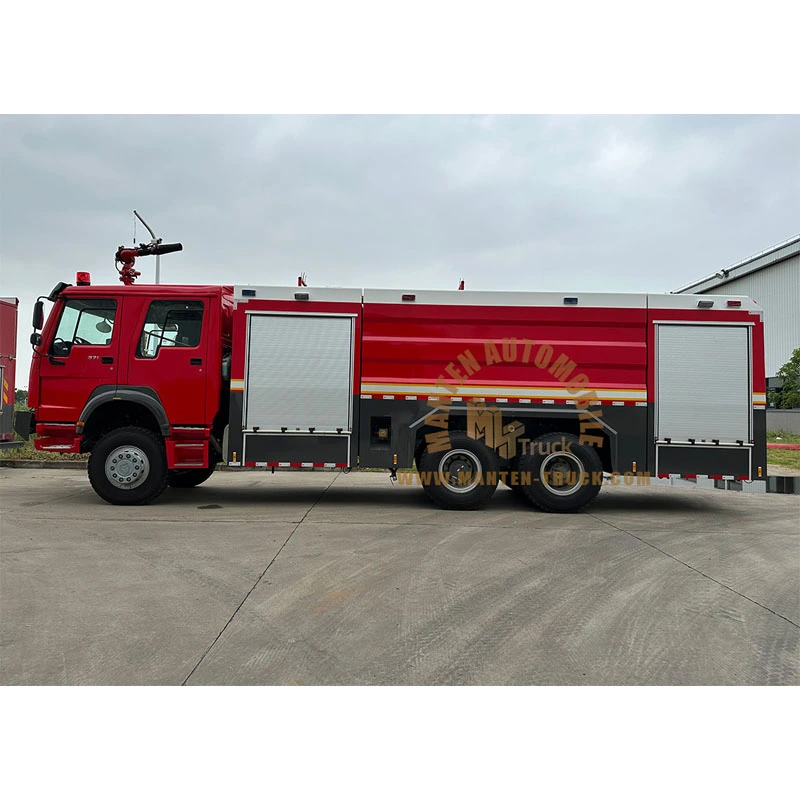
(547, 392)
(8, 363)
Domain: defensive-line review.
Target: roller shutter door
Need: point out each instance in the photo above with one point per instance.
(299, 373)
(703, 383)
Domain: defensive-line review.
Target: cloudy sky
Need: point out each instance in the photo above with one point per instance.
(601, 203)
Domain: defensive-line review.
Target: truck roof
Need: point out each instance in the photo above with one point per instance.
(165, 289)
(425, 296)
(446, 297)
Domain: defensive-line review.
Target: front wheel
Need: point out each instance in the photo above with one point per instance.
(189, 478)
(462, 477)
(128, 467)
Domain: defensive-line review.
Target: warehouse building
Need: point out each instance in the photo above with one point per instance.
(772, 279)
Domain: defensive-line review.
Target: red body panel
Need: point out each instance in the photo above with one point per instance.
(415, 344)
(8, 360)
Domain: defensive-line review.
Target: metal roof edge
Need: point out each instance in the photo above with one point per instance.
(766, 258)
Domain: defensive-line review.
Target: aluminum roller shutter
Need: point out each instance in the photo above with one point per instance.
(703, 383)
(299, 373)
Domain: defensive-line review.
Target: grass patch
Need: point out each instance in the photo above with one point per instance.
(783, 437)
(784, 458)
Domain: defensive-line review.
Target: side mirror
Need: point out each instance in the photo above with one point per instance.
(38, 315)
(36, 339)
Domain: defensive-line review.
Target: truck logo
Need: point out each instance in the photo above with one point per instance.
(486, 422)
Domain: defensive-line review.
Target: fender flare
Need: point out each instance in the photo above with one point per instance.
(143, 395)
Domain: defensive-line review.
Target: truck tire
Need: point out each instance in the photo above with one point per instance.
(189, 478)
(128, 467)
(564, 474)
(467, 457)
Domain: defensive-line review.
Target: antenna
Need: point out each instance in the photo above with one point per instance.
(153, 240)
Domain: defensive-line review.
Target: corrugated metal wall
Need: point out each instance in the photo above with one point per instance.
(777, 290)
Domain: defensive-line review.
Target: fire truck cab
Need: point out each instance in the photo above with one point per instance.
(547, 392)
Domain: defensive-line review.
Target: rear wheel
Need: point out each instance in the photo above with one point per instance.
(461, 478)
(561, 474)
(189, 478)
(128, 467)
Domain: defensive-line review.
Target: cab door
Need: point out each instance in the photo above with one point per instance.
(83, 355)
(168, 353)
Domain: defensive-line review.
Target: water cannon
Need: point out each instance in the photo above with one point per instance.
(126, 257)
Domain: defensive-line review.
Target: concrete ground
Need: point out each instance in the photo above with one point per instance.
(326, 578)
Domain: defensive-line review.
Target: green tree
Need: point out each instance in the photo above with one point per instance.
(21, 397)
(789, 395)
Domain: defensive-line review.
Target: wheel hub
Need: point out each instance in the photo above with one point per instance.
(460, 471)
(127, 467)
(562, 473)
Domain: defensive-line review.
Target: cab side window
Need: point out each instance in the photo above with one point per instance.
(170, 323)
(85, 322)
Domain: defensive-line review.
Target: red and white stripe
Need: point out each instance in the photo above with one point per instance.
(505, 399)
(291, 464)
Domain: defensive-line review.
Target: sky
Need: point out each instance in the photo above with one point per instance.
(528, 202)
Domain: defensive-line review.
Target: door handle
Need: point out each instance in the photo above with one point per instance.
(106, 360)
(195, 362)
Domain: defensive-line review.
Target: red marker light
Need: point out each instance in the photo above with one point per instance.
(734, 303)
(83, 279)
